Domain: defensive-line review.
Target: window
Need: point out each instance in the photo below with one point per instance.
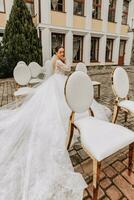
(125, 11)
(58, 5)
(2, 5)
(1, 36)
(112, 9)
(94, 49)
(57, 39)
(79, 7)
(96, 14)
(77, 48)
(109, 50)
(30, 5)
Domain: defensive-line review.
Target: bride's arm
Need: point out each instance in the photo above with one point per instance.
(62, 66)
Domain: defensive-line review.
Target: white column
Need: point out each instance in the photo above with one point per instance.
(88, 13)
(45, 11)
(128, 49)
(69, 46)
(118, 16)
(8, 5)
(130, 11)
(116, 47)
(104, 14)
(87, 48)
(102, 49)
(69, 12)
(46, 44)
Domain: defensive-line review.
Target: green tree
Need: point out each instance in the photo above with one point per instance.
(20, 40)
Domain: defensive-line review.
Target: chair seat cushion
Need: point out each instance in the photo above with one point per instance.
(102, 138)
(129, 105)
(35, 80)
(24, 91)
(95, 83)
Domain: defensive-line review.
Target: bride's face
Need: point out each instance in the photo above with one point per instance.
(60, 53)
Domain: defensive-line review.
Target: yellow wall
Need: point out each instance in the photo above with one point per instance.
(2, 19)
(111, 27)
(124, 29)
(58, 18)
(79, 22)
(96, 25)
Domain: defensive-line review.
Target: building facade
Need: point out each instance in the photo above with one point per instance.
(97, 32)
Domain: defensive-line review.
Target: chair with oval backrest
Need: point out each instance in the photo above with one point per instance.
(35, 70)
(82, 67)
(22, 77)
(21, 62)
(120, 85)
(100, 139)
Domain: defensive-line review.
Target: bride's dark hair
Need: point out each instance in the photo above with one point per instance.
(58, 47)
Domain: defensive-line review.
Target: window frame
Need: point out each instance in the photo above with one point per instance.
(125, 13)
(4, 5)
(97, 6)
(52, 33)
(63, 5)
(31, 2)
(112, 49)
(112, 9)
(81, 55)
(98, 40)
(83, 14)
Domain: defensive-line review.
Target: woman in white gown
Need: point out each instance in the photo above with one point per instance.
(34, 162)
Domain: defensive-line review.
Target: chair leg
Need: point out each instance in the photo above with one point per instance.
(99, 88)
(115, 113)
(16, 102)
(130, 158)
(126, 115)
(96, 175)
(71, 130)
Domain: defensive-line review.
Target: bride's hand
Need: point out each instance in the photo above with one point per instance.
(63, 60)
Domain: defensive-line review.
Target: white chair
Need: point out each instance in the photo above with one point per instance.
(82, 67)
(22, 77)
(35, 70)
(48, 69)
(120, 85)
(100, 139)
(21, 62)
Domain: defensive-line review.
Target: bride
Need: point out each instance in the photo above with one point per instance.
(34, 162)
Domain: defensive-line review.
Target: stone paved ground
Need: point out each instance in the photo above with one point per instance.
(115, 184)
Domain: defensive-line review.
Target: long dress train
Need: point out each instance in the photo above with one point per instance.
(34, 162)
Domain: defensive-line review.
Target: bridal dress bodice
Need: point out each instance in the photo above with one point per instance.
(34, 162)
(61, 67)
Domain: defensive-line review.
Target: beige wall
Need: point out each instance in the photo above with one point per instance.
(35, 20)
(79, 22)
(96, 25)
(3, 19)
(58, 18)
(111, 27)
(124, 29)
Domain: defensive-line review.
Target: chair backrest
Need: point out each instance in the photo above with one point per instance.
(120, 82)
(48, 68)
(79, 92)
(35, 69)
(21, 62)
(22, 74)
(81, 67)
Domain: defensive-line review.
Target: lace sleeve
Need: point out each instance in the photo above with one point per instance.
(62, 66)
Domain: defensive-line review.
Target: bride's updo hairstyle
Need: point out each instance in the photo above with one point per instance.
(57, 48)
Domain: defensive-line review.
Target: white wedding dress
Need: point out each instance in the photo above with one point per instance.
(34, 162)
